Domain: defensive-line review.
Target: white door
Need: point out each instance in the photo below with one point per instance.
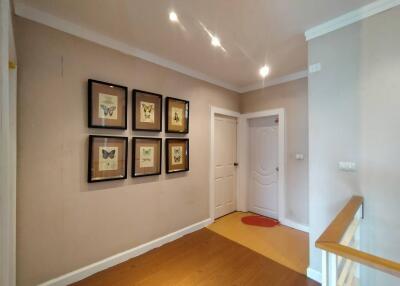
(224, 159)
(264, 162)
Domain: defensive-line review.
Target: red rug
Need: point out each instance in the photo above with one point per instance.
(260, 221)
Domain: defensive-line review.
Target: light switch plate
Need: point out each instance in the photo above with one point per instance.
(299, 157)
(347, 166)
(314, 68)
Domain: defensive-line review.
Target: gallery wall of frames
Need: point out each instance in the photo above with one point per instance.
(108, 155)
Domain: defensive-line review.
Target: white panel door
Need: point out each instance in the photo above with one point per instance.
(225, 129)
(263, 195)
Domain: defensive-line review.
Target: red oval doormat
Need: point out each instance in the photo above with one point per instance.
(260, 221)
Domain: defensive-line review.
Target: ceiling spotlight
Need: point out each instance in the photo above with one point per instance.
(215, 41)
(264, 71)
(173, 17)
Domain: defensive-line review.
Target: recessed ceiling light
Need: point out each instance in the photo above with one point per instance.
(215, 41)
(264, 71)
(173, 17)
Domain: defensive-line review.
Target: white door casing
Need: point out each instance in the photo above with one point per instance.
(8, 144)
(243, 154)
(264, 162)
(225, 133)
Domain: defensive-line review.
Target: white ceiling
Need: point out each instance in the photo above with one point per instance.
(253, 32)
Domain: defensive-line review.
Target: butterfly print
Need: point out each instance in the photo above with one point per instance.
(110, 154)
(146, 152)
(147, 110)
(177, 155)
(108, 110)
(176, 117)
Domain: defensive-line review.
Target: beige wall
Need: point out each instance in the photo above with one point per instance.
(291, 96)
(63, 222)
(354, 116)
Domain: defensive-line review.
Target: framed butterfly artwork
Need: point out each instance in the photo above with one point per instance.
(177, 155)
(107, 105)
(146, 156)
(107, 158)
(177, 115)
(147, 111)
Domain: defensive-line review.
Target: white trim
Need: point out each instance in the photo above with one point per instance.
(213, 111)
(295, 225)
(47, 19)
(324, 272)
(314, 275)
(244, 158)
(332, 269)
(275, 81)
(223, 111)
(350, 18)
(7, 147)
(91, 269)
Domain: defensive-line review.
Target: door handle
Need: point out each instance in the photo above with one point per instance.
(277, 169)
(235, 164)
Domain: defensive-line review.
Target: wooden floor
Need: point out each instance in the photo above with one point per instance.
(201, 258)
(282, 244)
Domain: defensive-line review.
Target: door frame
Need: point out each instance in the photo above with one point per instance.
(8, 129)
(220, 111)
(244, 158)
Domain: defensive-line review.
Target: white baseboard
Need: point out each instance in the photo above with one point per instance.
(91, 269)
(314, 275)
(295, 225)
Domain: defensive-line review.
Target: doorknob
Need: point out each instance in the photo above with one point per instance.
(235, 164)
(277, 169)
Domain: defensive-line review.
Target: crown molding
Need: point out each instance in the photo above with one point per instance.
(275, 81)
(350, 18)
(68, 27)
(47, 19)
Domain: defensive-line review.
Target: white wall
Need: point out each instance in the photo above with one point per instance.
(7, 147)
(354, 116)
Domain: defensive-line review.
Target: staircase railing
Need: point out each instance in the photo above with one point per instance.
(340, 245)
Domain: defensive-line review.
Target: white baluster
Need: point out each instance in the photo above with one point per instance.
(325, 265)
(357, 240)
(332, 259)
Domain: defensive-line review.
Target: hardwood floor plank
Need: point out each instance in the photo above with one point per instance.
(202, 258)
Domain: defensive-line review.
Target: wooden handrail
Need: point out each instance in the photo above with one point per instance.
(339, 225)
(331, 237)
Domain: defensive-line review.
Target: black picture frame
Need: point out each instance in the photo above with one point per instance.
(167, 165)
(134, 142)
(134, 122)
(91, 124)
(168, 101)
(90, 159)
